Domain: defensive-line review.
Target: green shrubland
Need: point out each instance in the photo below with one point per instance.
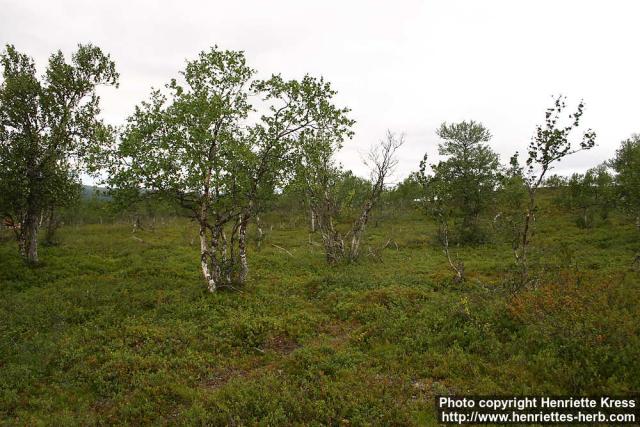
(115, 327)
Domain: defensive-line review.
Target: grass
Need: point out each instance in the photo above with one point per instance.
(116, 328)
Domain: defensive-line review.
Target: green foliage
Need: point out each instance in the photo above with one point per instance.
(592, 193)
(330, 191)
(511, 201)
(461, 187)
(555, 181)
(550, 144)
(177, 145)
(197, 147)
(626, 163)
(173, 142)
(113, 329)
(48, 127)
(406, 193)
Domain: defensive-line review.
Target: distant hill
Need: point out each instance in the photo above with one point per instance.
(91, 191)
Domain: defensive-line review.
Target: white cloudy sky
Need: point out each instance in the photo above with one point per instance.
(399, 65)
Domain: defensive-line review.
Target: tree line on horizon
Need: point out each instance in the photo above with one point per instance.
(222, 144)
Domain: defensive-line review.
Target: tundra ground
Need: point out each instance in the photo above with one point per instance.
(117, 328)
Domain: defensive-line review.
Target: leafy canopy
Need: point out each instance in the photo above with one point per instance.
(48, 126)
(462, 186)
(626, 163)
(204, 143)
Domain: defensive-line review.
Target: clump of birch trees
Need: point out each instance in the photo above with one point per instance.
(322, 178)
(217, 141)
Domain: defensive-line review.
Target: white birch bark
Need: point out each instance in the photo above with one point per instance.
(204, 260)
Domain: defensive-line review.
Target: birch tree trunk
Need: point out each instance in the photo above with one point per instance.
(260, 232)
(312, 217)
(457, 266)
(358, 230)
(205, 257)
(242, 249)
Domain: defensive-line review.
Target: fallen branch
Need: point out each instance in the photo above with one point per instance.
(374, 255)
(386, 245)
(281, 248)
(229, 286)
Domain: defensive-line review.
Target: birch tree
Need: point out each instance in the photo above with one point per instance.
(550, 144)
(626, 164)
(198, 144)
(459, 188)
(470, 169)
(47, 127)
(323, 178)
(439, 201)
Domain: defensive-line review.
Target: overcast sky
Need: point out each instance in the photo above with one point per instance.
(400, 65)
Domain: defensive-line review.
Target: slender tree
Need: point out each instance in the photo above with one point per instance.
(549, 145)
(511, 199)
(325, 181)
(47, 127)
(439, 202)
